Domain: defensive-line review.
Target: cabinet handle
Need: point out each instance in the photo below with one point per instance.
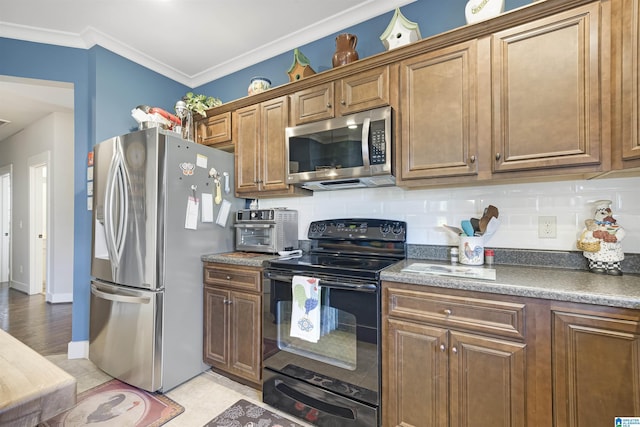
(454, 349)
(442, 347)
(473, 159)
(498, 156)
(448, 312)
(228, 302)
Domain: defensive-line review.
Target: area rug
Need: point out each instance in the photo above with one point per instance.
(115, 403)
(244, 413)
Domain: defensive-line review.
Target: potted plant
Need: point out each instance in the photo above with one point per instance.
(200, 103)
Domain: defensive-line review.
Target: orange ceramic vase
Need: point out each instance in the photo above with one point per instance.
(345, 49)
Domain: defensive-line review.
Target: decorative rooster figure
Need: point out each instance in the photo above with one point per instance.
(472, 253)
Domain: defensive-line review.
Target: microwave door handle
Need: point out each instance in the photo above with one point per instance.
(366, 125)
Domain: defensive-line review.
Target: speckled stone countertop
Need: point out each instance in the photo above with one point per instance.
(534, 282)
(248, 259)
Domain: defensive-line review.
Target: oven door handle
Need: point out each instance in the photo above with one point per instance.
(362, 287)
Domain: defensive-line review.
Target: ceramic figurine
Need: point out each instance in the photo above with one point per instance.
(600, 241)
(479, 10)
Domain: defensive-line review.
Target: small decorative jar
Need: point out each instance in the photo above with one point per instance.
(258, 84)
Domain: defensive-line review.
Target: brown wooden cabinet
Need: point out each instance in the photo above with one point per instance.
(233, 321)
(439, 104)
(260, 150)
(215, 131)
(596, 365)
(626, 106)
(550, 86)
(358, 92)
(459, 359)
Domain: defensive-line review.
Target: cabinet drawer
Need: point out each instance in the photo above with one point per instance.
(233, 277)
(471, 314)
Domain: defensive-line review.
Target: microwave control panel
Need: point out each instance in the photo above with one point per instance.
(378, 144)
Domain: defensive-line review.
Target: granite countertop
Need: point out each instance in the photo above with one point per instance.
(535, 282)
(248, 259)
(32, 389)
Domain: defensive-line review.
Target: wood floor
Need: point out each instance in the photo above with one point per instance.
(44, 327)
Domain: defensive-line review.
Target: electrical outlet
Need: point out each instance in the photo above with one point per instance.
(547, 227)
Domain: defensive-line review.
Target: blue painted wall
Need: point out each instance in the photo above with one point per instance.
(108, 86)
(432, 16)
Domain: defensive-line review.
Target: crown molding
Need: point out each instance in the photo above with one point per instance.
(90, 37)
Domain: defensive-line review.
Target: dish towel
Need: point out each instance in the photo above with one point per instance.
(305, 308)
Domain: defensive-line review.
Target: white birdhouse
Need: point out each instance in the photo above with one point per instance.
(399, 32)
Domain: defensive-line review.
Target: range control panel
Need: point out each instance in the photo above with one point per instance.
(359, 228)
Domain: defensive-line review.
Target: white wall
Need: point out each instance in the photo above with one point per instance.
(53, 133)
(519, 204)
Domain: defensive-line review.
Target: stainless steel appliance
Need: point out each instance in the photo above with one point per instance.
(266, 230)
(336, 380)
(343, 152)
(159, 204)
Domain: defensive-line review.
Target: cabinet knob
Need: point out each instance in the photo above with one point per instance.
(448, 312)
(442, 347)
(473, 159)
(343, 102)
(228, 277)
(498, 156)
(454, 349)
(228, 302)
(328, 105)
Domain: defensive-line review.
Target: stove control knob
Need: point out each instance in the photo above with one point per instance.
(398, 228)
(385, 228)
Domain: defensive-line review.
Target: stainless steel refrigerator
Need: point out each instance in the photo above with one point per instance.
(159, 204)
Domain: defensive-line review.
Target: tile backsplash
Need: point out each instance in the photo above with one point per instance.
(520, 205)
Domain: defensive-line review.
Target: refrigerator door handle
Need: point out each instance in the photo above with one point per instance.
(118, 297)
(116, 206)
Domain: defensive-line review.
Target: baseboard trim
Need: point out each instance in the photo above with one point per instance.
(59, 298)
(78, 350)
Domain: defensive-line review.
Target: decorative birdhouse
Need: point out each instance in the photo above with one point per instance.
(400, 32)
(300, 68)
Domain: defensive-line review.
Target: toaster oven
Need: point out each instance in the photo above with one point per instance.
(266, 230)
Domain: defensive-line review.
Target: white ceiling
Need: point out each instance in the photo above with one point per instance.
(190, 41)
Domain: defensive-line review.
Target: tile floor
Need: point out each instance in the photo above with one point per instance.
(203, 397)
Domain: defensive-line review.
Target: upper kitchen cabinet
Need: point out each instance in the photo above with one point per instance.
(215, 131)
(353, 93)
(550, 85)
(626, 145)
(260, 149)
(439, 103)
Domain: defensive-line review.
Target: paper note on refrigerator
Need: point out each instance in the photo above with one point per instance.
(207, 207)
(223, 213)
(191, 217)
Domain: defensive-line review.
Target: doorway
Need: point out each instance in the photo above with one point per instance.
(39, 209)
(5, 223)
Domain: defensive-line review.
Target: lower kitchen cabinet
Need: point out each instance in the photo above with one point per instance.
(233, 321)
(460, 359)
(596, 365)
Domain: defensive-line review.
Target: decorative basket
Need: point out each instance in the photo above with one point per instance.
(587, 245)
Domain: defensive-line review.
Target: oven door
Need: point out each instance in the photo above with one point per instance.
(256, 237)
(336, 379)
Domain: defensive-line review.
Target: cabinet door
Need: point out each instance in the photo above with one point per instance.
(363, 91)
(275, 119)
(247, 133)
(414, 375)
(546, 84)
(246, 337)
(215, 131)
(630, 79)
(596, 369)
(313, 104)
(487, 382)
(438, 92)
(216, 327)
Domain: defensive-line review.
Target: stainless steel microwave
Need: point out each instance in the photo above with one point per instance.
(343, 152)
